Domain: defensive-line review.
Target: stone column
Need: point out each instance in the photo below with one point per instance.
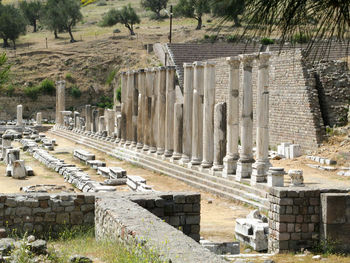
(129, 107)
(110, 122)
(219, 136)
(19, 115)
(135, 102)
(88, 118)
(262, 164)
(161, 109)
(147, 109)
(169, 112)
(101, 124)
(154, 119)
(230, 160)
(39, 119)
(197, 113)
(94, 119)
(119, 122)
(60, 99)
(208, 114)
(178, 122)
(187, 113)
(244, 165)
(124, 91)
(141, 108)
(75, 119)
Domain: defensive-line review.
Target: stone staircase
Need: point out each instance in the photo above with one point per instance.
(227, 188)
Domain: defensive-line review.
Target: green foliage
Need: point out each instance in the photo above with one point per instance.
(300, 38)
(12, 24)
(192, 9)
(232, 38)
(10, 90)
(119, 93)
(75, 92)
(101, 3)
(32, 92)
(155, 6)
(47, 87)
(4, 69)
(229, 10)
(105, 102)
(31, 11)
(266, 41)
(111, 76)
(69, 78)
(211, 38)
(126, 16)
(62, 15)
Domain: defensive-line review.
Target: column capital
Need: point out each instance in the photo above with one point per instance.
(123, 73)
(264, 58)
(170, 67)
(234, 62)
(161, 68)
(209, 64)
(141, 70)
(61, 83)
(187, 65)
(198, 64)
(248, 59)
(130, 72)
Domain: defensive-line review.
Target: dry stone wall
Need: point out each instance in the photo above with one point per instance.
(295, 114)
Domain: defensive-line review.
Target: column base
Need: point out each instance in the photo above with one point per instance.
(176, 156)
(206, 164)
(184, 159)
(244, 170)
(196, 161)
(139, 146)
(230, 166)
(168, 153)
(216, 169)
(152, 149)
(160, 151)
(145, 148)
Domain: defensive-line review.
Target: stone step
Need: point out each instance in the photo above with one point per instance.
(221, 186)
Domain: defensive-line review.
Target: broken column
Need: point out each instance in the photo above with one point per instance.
(141, 108)
(110, 122)
(60, 100)
(135, 96)
(123, 78)
(161, 110)
(75, 119)
(147, 109)
(230, 160)
(94, 119)
(19, 115)
(178, 122)
(88, 115)
(208, 114)
(197, 113)
(219, 136)
(244, 165)
(169, 111)
(262, 164)
(187, 113)
(39, 119)
(101, 124)
(129, 107)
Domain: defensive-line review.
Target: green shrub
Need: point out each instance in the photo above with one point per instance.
(47, 87)
(10, 90)
(213, 38)
(101, 3)
(266, 41)
(206, 36)
(32, 92)
(300, 38)
(75, 92)
(232, 38)
(105, 102)
(111, 76)
(69, 78)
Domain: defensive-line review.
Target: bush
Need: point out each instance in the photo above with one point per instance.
(213, 38)
(69, 78)
(32, 92)
(206, 36)
(300, 38)
(10, 91)
(105, 102)
(47, 87)
(75, 92)
(111, 76)
(266, 41)
(231, 38)
(101, 3)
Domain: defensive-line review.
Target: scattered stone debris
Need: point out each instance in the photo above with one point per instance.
(321, 160)
(95, 164)
(46, 188)
(253, 230)
(296, 177)
(288, 150)
(324, 168)
(83, 156)
(232, 248)
(138, 184)
(80, 259)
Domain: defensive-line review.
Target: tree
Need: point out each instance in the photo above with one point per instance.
(155, 6)
(229, 10)
(126, 16)
(62, 15)
(4, 69)
(192, 9)
(12, 24)
(31, 11)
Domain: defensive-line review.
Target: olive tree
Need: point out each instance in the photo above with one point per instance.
(31, 11)
(192, 9)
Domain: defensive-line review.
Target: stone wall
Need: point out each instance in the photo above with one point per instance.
(333, 84)
(119, 218)
(295, 114)
(43, 213)
(295, 218)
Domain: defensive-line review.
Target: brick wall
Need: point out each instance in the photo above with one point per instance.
(295, 114)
